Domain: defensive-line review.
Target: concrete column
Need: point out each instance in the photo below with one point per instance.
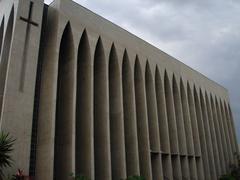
(163, 126)
(102, 157)
(231, 133)
(116, 118)
(213, 136)
(130, 124)
(202, 135)
(205, 120)
(192, 167)
(189, 133)
(180, 129)
(156, 158)
(47, 105)
(1, 34)
(63, 148)
(229, 145)
(4, 58)
(167, 166)
(173, 133)
(218, 135)
(142, 125)
(176, 166)
(84, 110)
(196, 138)
(222, 134)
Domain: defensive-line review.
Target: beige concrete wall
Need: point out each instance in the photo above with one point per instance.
(185, 138)
(17, 103)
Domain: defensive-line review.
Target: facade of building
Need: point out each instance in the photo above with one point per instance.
(81, 95)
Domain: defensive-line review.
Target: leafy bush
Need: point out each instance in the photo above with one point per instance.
(227, 177)
(78, 177)
(235, 171)
(6, 147)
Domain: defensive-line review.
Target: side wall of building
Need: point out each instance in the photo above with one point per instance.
(18, 64)
(113, 106)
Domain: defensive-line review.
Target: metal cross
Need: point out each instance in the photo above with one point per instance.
(29, 22)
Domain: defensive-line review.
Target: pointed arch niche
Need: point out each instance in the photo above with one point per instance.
(130, 123)
(201, 134)
(5, 56)
(102, 156)
(116, 118)
(173, 133)
(163, 126)
(196, 138)
(142, 126)
(153, 126)
(218, 135)
(213, 135)
(188, 132)
(84, 110)
(1, 34)
(64, 107)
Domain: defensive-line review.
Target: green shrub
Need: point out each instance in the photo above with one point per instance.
(227, 177)
(78, 177)
(6, 147)
(235, 171)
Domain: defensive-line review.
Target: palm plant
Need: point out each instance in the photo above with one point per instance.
(6, 147)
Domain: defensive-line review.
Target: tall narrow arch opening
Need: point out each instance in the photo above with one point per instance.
(213, 135)
(1, 35)
(142, 126)
(186, 118)
(102, 156)
(84, 109)
(227, 135)
(218, 135)
(171, 115)
(188, 132)
(180, 129)
(231, 132)
(64, 107)
(222, 134)
(153, 124)
(179, 118)
(196, 140)
(130, 124)
(204, 153)
(206, 127)
(163, 126)
(175, 156)
(116, 118)
(5, 56)
(162, 116)
(233, 129)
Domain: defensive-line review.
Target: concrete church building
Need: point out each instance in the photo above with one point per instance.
(83, 95)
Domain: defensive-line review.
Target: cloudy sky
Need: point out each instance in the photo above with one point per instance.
(204, 34)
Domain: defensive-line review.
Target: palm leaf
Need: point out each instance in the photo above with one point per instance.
(6, 147)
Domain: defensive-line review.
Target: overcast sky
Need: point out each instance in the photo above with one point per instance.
(204, 34)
